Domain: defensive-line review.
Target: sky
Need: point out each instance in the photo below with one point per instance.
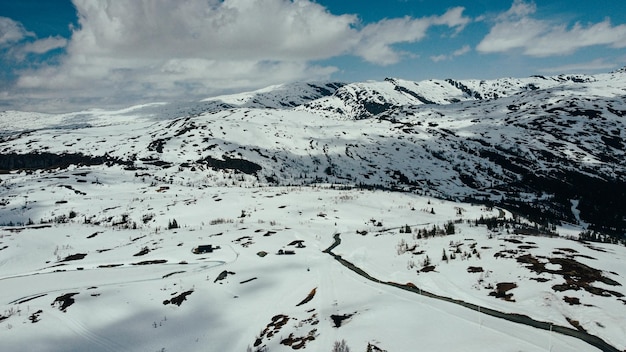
(66, 55)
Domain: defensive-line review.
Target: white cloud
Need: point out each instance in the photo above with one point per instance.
(124, 50)
(12, 32)
(230, 29)
(376, 40)
(437, 58)
(592, 66)
(42, 46)
(462, 51)
(21, 42)
(459, 52)
(515, 29)
(519, 9)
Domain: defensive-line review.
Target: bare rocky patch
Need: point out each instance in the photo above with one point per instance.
(475, 269)
(143, 251)
(576, 275)
(77, 256)
(35, 317)
(299, 342)
(339, 319)
(64, 301)
(502, 289)
(308, 298)
(179, 299)
(273, 327)
(150, 262)
(173, 273)
(223, 275)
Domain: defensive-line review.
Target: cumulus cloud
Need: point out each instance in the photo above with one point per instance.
(376, 40)
(42, 46)
(515, 29)
(12, 31)
(18, 42)
(459, 52)
(161, 49)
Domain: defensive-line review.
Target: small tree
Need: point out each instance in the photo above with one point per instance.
(341, 346)
(172, 224)
(449, 228)
(426, 261)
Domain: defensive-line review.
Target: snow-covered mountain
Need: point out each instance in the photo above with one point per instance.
(100, 211)
(533, 145)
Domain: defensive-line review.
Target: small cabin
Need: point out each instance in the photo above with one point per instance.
(205, 248)
(285, 252)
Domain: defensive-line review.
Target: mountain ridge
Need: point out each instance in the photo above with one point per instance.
(508, 142)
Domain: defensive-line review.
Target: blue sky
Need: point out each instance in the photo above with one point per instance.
(61, 55)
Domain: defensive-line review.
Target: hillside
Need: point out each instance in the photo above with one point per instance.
(451, 207)
(532, 150)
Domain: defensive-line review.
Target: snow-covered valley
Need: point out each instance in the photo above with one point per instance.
(471, 190)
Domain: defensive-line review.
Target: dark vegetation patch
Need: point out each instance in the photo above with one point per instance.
(149, 262)
(143, 251)
(31, 298)
(223, 275)
(601, 196)
(34, 318)
(109, 265)
(308, 298)
(506, 253)
(3, 247)
(339, 319)
(427, 269)
(501, 291)
(246, 281)
(64, 301)
(157, 145)
(297, 243)
(241, 165)
(584, 256)
(77, 256)
(540, 279)
(94, 234)
(572, 301)
(178, 300)
(73, 190)
(374, 348)
(174, 273)
(244, 241)
(13, 161)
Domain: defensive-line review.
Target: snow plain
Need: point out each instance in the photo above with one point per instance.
(119, 304)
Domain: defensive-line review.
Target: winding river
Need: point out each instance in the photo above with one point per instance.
(516, 318)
